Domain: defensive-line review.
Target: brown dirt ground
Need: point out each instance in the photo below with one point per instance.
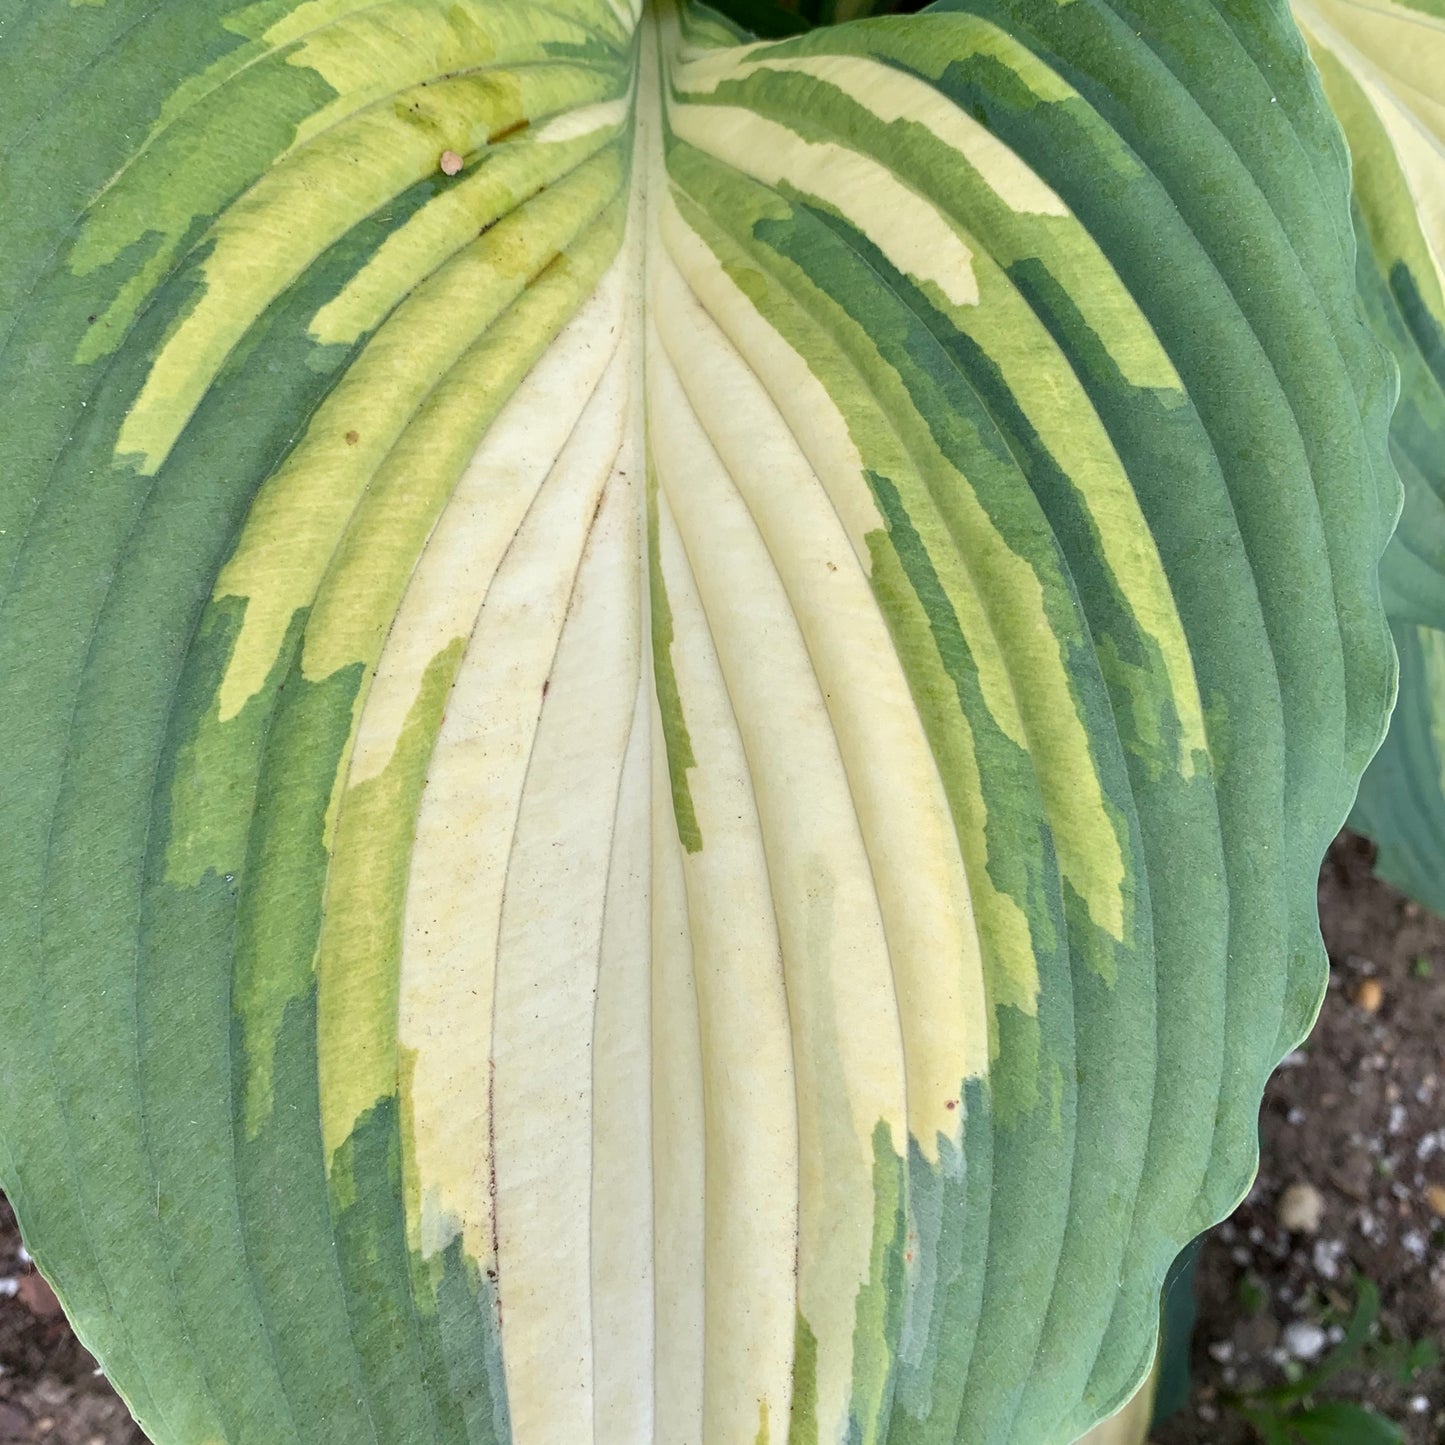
(1357, 1114)
(50, 1388)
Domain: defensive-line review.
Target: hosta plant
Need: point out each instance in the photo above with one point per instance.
(667, 706)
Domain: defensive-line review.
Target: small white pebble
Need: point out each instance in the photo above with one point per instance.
(24, 1256)
(1336, 1333)
(9, 1288)
(1208, 1413)
(1295, 1117)
(1419, 1405)
(1370, 1227)
(1304, 1340)
(1222, 1351)
(1398, 1118)
(1301, 1209)
(1239, 1254)
(1414, 1244)
(1294, 1060)
(1326, 1257)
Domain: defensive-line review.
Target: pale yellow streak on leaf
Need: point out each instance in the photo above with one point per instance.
(548, 956)
(814, 417)
(376, 50)
(264, 241)
(1405, 47)
(902, 807)
(436, 615)
(301, 510)
(584, 120)
(847, 1040)
(464, 832)
(1090, 851)
(679, 1129)
(895, 95)
(491, 499)
(512, 174)
(749, 1092)
(624, 1269)
(623, 1266)
(914, 235)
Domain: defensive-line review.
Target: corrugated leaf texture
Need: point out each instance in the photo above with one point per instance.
(668, 706)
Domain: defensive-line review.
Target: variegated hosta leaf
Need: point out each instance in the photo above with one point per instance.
(666, 789)
(1384, 71)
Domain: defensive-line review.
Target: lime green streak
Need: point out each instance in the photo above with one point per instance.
(803, 1422)
(669, 700)
(358, 968)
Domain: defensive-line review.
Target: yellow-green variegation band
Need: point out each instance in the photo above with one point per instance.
(668, 703)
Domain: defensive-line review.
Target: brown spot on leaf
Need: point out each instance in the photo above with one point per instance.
(352, 437)
(509, 130)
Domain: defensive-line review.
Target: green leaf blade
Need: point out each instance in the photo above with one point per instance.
(1014, 655)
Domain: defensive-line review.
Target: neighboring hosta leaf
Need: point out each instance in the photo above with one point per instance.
(1384, 72)
(667, 789)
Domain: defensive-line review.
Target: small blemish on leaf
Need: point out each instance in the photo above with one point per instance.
(352, 437)
(451, 163)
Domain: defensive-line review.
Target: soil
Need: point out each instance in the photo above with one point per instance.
(50, 1388)
(1356, 1115)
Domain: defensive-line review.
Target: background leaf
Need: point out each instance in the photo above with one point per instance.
(1382, 68)
(1339, 1423)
